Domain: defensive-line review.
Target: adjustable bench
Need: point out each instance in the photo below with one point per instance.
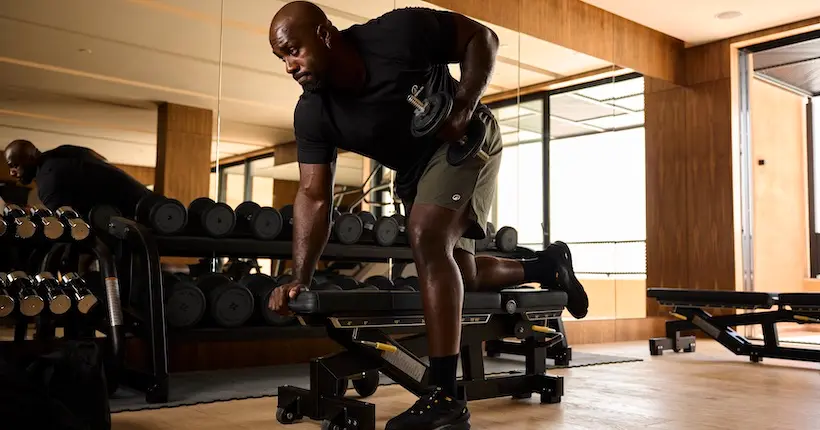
(383, 331)
(688, 309)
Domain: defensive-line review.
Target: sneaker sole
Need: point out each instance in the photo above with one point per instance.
(575, 283)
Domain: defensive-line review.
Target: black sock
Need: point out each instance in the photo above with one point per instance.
(541, 269)
(443, 374)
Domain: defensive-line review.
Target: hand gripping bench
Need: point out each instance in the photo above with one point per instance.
(365, 323)
(688, 311)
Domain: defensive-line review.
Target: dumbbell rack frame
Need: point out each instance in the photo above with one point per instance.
(141, 250)
(41, 253)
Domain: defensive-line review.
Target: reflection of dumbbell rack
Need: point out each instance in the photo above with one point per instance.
(141, 250)
(78, 305)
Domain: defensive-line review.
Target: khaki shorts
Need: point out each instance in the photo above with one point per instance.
(473, 183)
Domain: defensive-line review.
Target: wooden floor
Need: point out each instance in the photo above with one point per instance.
(709, 389)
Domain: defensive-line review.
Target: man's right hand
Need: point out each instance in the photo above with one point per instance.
(282, 294)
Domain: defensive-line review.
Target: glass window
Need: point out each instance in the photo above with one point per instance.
(233, 185)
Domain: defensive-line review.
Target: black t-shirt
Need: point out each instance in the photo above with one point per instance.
(400, 49)
(74, 176)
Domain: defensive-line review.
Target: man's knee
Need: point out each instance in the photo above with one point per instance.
(467, 267)
(426, 233)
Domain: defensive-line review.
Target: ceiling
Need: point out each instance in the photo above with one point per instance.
(796, 65)
(695, 21)
(90, 72)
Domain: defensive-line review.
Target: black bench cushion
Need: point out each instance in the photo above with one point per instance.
(531, 299)
(800, 300)
(399, 302)
(706, 298)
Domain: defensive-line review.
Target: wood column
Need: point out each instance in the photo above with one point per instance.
(184, 136)
(145, 175)
(284, 191)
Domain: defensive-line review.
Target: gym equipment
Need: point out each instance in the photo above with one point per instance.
(348, 228)
(77, 288)
(382, 282)
(430, 115)
(23, 227)
(31, 304)
(410, 283)
(326, 286)
(401, 220)
(7, 302)
(383, 231)
(262, 287)
(505, 239)
(362, 322)
(560, 352)
(287, 220)
(484, 244)
(184, 303)
(58, 301)
(344, 282)
(163, 215)
(99, 216)
(4, 227)
(263, 223)
(79, 229)
(284, 279)
(768, 309)
(229, 304)
(46, 222)
(211, 218)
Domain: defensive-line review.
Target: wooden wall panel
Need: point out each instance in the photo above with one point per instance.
(710, 184)
(780, 188)
(584, 28)
(5, 175)
(706, 63)
(145, 175)
(184, 136)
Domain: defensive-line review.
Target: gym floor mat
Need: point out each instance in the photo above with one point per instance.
(192, 388)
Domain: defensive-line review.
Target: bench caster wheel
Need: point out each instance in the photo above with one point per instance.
(286, 417)
(522, 396)
(328, 425)
(755, 358)
(368, 384)
(550, 399)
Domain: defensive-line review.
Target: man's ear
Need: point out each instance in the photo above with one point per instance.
(324, 34)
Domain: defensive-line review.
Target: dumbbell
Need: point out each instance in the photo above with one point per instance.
(347, 228)
(430, 115)
(263, 223)
(17, 218)
(229, 304)
(383, 231)
(163, 215)
(46, 223)
(21, 285)
(184, 303)
(262, 287)
(7, 302)
(100, 216)
(79, 229)
(381, 282)
(77, 288)
(211, 218)
(410, 283)
(505, 239)
(58, 301)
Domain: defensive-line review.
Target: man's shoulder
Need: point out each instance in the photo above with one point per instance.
(309, 110)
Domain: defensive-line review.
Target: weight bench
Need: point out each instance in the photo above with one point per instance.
(363, 321)
(688, 311)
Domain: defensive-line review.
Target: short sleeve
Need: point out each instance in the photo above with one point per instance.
(430, 34)
(57, 181)
(312, 147)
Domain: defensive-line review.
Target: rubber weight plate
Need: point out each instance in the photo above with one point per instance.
(143, 210)
(229, 304)
(438, 108)
(401, 220)
(287, 216)
(100, 216)
(506, 240)
(284, 279)
(247, 209)
(386, 231)
(185, 304)
(262, 287)
(267, 224)
(326, 286)
(382, 282)
(460, 152)
(368, 220)
(168, 216)
(410, 283)
(219, 220)
(345, 282)
(348, 229)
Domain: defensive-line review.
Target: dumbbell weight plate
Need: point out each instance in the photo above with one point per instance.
(326, 286)
(460, 152)
(168, 216)
(216, 218)
(410, 283)
(229, 304)
(267, 224)
(345, 282)
(185, 304)
(348, 229)
(101, 215)
(287, 214)
(506, 239)
(262, 287)
(368, 220)
(401, 220)
(143, 210)
(386, 231)
(284, 279)
(382, 282)
(439, 106)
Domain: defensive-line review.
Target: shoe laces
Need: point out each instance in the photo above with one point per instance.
(426, 402)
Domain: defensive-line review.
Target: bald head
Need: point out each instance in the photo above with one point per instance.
(22, 156)
(303, 37)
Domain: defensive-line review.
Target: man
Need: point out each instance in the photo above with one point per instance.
(74, 176)
(356, 83)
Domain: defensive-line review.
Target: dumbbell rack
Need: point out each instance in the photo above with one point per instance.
(141, 250)
(41, 253)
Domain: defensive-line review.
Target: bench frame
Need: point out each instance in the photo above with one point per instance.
(720, 328)
(328, 375)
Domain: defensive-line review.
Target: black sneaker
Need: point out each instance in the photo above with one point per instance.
(578, 302)
(433, 411)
